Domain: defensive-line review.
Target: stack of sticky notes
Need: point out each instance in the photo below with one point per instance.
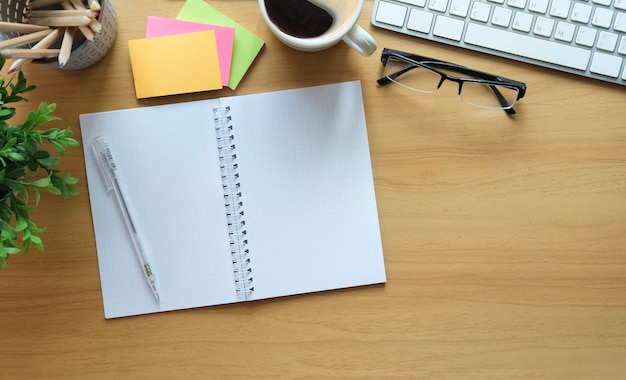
(201, 50)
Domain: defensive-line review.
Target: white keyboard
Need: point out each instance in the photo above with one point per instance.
(587, 38)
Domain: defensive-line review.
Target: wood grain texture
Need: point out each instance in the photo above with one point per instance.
(504, 238)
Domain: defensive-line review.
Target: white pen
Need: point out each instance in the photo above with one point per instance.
(109, 173)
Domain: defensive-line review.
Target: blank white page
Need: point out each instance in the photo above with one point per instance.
(168, 168)
(308, 192)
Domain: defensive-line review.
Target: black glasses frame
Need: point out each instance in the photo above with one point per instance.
(434, 64)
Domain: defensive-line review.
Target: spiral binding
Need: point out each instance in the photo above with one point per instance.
(233, 201)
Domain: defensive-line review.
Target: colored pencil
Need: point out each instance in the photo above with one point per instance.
(61, 21)
(18, 27)
(24, 39)
(66, 46)
(29, 53)
(60, 13)
(41, 4)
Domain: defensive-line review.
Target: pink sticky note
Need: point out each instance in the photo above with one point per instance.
(160, 26)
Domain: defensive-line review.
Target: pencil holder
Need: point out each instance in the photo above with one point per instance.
(84, 53)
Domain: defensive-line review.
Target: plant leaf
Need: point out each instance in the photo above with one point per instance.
(21, 224)
(48, 162)
(42, 182)
(16, 156)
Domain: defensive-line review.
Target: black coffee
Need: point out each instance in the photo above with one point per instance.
(299, 18)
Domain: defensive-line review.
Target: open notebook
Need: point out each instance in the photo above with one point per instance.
(240, 198)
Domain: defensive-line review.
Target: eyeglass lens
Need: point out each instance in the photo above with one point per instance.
(418, 78)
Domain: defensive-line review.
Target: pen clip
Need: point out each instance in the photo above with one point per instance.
(105, 161)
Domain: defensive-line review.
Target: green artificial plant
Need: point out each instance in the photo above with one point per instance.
(26, 167)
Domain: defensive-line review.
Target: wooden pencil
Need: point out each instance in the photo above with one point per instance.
(61, 21)
(18, 27)
(41, 3)
(45, 43)
(29, 53)
(24, 39)
(60, 13)
(66, 46)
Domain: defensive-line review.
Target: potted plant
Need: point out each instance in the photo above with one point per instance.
(27, 166)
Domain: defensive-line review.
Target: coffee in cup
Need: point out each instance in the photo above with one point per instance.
(313, 25)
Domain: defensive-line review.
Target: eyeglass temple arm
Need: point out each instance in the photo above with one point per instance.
(501, 99)
(444, 64)
(453, 66)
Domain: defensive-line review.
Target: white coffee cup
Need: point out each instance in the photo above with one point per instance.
(345, 14)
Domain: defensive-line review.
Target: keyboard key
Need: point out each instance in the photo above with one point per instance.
(586, 36)
(543, 27)
(459, 7)
(522, 22)
(607, 41)
(528, 47)
(449, 28)
(538, 6)
(564, 31)
(438, 5)
(602, 17)
(581, 13)
(391, 14)
(480, 12)
(605, 64)
(501, 17)
(620, 22)
(560, 8)
(420, 21)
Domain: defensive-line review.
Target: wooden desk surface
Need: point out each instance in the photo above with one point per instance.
(504, 238)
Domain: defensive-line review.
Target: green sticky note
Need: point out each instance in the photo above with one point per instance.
(245, 47)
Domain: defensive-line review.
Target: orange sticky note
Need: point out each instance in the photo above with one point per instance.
(175, 64)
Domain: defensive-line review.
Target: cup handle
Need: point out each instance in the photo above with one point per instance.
(361, 41)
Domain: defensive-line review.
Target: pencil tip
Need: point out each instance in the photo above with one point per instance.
(11, 71)
(61, 64)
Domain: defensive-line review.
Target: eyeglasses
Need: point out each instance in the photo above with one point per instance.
(424, 74)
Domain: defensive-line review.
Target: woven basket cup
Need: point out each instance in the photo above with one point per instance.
(85, 53)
